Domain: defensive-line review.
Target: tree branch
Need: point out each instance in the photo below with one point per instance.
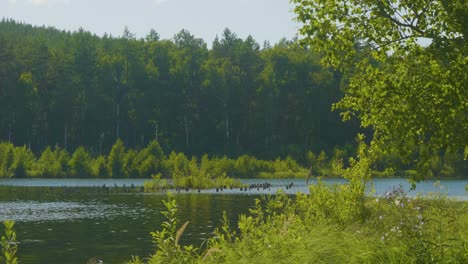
(397, 22)
(418, 16)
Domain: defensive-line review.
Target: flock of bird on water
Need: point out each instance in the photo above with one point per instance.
(132, 188)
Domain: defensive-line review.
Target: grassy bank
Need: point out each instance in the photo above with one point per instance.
(334, 224)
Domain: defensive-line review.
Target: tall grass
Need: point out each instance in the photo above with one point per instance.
(339, 224)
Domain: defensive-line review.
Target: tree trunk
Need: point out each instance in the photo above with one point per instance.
(186, 133)
(65, 138)
(117, 132)
(156, 132)
(226, 121)
(101, 137)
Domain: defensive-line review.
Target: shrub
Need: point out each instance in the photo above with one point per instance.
(130, 164)
(51, 163)
(115, 160)
(155, 184)
(8, 157)
(151, 159)
(99, 168)
(166, 240)
(24, 161)
(80, 163)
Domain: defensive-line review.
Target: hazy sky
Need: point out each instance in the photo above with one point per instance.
(263, 19)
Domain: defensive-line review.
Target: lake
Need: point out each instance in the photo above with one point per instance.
(72, 220)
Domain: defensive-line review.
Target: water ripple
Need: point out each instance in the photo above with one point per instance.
(33, 211)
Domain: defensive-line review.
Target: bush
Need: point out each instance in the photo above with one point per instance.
(115, 161)
(168, 249)
(8, 157)
(151, 160)
(99, 168)
(52, 163)
(24, 162)
(80, 163)
(332, 225)
(130, 164)
(155, 184)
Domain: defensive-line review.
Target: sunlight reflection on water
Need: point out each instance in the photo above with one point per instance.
(32, 211)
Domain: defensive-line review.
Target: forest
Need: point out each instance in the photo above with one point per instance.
(66, 93)
(71, 89)
(122, 104)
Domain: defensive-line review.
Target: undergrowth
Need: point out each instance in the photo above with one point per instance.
(332, 224)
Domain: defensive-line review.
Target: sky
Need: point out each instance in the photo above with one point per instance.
(265, 20)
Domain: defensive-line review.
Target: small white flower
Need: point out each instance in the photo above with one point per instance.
(397, 202)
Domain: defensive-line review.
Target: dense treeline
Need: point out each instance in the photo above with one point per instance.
(152, 161)
(75, 89)
(121, 162)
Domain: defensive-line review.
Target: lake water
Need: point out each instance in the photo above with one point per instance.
(72, 220)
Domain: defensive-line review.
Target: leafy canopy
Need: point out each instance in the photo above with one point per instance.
(406, 67)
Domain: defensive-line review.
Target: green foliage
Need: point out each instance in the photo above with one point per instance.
(115, 161)
(426, 230)
(246, 166)
(23, 162)
(412, 95)
(178, 165)
(329, 226)
(311, 158)
(16, 161)
(321, 158)
(230, 99)
(80, 163)
(63, 157)
(7, 155)
(201, 175)
(150, 160)
(236, 97)
(206, 172)
(9, 244)
(337, 204)
(155, 184)
(52, 163)
(282, 175)
(130, 164)
(99, 167)
(166, 240)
